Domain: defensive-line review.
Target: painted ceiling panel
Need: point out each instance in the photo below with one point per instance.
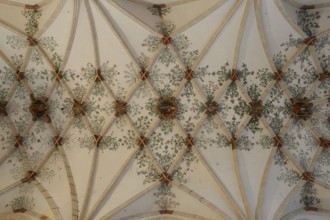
(180, 109)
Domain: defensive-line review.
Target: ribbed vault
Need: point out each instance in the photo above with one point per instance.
(181, 109)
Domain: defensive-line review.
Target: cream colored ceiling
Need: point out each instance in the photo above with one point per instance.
(181, 109)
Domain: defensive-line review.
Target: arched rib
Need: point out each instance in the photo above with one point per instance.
(73, 190)
(130, 201)
(90, 183)
(261, 30)
(11, 186)
(7, 61)
(216, 32)
(112, 185)
(287, 199)
(201, 200)
(48, 198)
(241, 33)
(264, 180)
(94, 33)
(12, 28)
(224, 191)
(281, 8)
(76, 8)
(133, 17)
(240, 184)
(200, 17)
(117, 33)
(51, 19)
(6, 155)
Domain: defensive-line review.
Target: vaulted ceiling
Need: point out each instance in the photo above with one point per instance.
(174, 109)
